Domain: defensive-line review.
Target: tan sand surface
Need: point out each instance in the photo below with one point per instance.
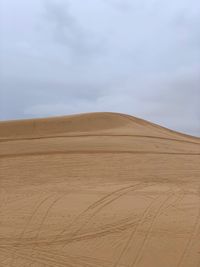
(98, 190)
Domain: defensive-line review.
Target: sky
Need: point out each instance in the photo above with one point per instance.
(140, 57)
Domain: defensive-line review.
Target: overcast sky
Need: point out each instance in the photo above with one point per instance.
(140, 57)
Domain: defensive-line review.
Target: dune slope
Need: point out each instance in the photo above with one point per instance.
(98, 190)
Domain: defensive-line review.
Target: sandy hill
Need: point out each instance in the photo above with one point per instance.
(100, 122)
(98, 189)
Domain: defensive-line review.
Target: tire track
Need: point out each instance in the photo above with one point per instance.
(179, 199)
(41, 259)
(131, 237)
(103, 200)
(29, 222)
(45, 216)
(86, 237)
(162, 204)
(79, 238)
(102, 231)
(144, 216)
(189, 243)
(100, 135)
(4, 197)
(49, 153)
(161, 129)
(96, 207)
(77, 261)
(86, 216)
(55, 260)
(99, 233)
(33, 214)
(49, 257)
(144, 243)
(2, 261)
(94, 261)
(148, 125)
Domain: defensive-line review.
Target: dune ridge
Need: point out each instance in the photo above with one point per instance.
(80, 123)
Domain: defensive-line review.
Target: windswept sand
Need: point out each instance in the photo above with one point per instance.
(98, 190)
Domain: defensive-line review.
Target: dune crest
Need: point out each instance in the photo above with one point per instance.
(90, 122)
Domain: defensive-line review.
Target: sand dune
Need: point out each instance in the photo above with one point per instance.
(98, 190)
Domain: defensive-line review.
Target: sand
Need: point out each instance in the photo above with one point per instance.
(98, 190)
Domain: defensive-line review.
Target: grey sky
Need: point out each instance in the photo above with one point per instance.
(140, 57)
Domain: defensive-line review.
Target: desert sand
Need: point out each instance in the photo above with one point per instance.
(98, 190)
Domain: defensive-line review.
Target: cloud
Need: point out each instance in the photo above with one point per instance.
(103, 103)
(176, 100)
(139, 57)
(67, 30)
(170, 102)
(120, 5)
